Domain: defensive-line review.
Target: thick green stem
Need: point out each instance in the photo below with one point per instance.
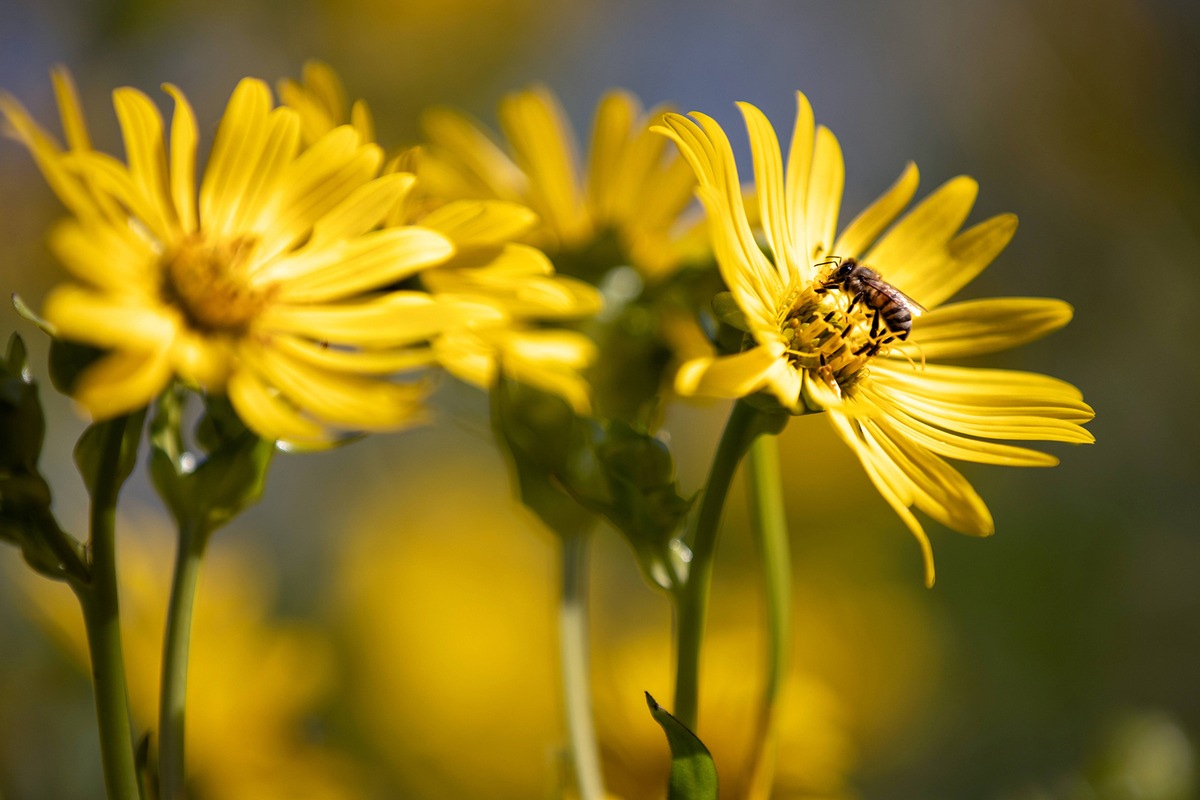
(768, 521)
(576, 675)
(101, 617)
(171, 774)
(691, 599)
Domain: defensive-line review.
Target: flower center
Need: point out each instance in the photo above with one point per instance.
(830, 335)
(209, 282)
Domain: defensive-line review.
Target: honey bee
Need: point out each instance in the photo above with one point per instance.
(891, 307)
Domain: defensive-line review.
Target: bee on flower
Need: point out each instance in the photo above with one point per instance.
(850, 323)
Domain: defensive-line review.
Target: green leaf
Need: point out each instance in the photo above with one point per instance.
(206, 487)
(25, 516)
(92, 449)
(693, 773)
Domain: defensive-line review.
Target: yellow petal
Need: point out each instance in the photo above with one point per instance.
(521, 280)
(887, 479)
(543, 146)
(725, 376)
(145, 152)
(268, 414)
(487, 168)
(312, 185)
(866, 227)
(109, 180)
(551, 361)
(107, 257)
(362, 211)
(981, 385)
(480, 222)
(824, 197)
(920, 238)
(938, 489)
(106, 321)
(122, 382)
(345, 400)
(183, 160)
(371, 261)
(976, 327)
(616, 115)
(240, 140)
(799, 171)
(202, 361)
(940, 277)
(74, 126)
(397, 319)
(899, 424)
(750, 276)
(48, 156)
(768, 180)
(360, 362)
(1015, 414)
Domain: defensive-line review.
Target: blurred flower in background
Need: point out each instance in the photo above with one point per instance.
(447, 610)
(489, 269)
(254, 682)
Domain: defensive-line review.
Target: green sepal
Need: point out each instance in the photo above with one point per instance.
(693, 773)
(540, 433)
(205, 490)
(643, 500)
(92, 445)
(25, 498)
(570, 470)
(729, 312)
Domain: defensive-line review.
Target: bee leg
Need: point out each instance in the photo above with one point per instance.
(854, 302)
(875, 323)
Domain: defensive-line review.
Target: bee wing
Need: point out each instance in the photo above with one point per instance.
(914, 308)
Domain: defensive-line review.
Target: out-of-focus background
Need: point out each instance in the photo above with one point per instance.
(382, 624)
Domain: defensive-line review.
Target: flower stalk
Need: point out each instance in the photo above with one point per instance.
(171, 772)
(768, 524)
(101, 616)
(576, 675)
(691, 597)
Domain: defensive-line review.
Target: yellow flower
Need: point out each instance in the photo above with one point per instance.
(249, 675)
(490, 268)
(268, 285)
(634, 190)
(818, 344)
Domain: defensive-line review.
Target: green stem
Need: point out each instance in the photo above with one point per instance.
(192, 539)
(768, 521)
(573, 650)
(101, 617)
(691, 598)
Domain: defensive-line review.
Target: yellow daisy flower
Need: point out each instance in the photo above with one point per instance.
(490, 268)
(634, 190)
(268, 284)
(823, 336)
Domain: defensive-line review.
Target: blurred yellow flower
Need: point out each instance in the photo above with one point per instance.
(270, 285)
(490, 268)
(447, 651)
(253, 682)
(632, 195)
(828, 340)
